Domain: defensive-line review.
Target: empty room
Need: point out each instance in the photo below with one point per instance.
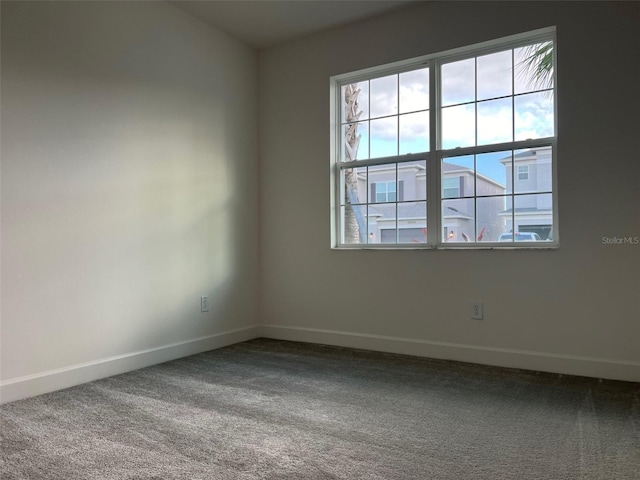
(320, 240)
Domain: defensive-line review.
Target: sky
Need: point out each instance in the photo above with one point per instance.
(395, 116)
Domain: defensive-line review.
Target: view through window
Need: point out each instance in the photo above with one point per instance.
(450, 150)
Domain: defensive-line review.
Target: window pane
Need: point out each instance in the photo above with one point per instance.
(382, 223)
(533, 170)
(412, 235)
(457, 176)
(458, 82)
(384, 137)
(543, 230)
(388, 235)
(412, 181)
(494, 173)
(533, 67)
(458, 126)
(382, 182)
(533, 203)
(384, 96)
(354, 222)
(534, 116)
(412, 222)
(356, 141)
(532, 210)
(414, 133)
(495, 121)
(494, 75)
(542, 171)
(353, 182)
(458, 220)
(355, 99)
(414, 90)
(490, 221)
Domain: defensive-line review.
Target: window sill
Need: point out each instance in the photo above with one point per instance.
(549, 246)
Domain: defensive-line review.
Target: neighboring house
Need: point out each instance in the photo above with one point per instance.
(377, 186)
(458, 213)
(410, 188)
(533, 186)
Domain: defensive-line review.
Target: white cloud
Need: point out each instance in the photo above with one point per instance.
(383, 93)
(414, 90)
(414, 125)
(458, 82)
(494, 121)
(386, 128)
(409, 91)
(494, 75)
(458, 126)
(533, 118)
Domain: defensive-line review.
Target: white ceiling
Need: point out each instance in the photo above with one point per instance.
(264, 23)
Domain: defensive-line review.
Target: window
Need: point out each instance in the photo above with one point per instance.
(523, 172)
(451, 187)
(383, 192)
(452, 150)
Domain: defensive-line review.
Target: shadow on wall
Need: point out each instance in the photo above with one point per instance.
(120, 219)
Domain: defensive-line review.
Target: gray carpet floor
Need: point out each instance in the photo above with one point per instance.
(268, 409)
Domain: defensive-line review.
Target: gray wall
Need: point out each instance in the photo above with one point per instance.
(575, 303)
(129, 182)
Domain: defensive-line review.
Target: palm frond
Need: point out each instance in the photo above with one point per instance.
(537, 66)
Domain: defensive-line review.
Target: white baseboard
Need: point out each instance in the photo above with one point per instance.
(52, 380)
(501, 357)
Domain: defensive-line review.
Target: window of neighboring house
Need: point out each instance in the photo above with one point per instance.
(523, 172)
(451, 187)
(454, 127)
(383, 192)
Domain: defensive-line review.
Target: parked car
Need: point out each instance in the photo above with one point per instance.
(520, 237)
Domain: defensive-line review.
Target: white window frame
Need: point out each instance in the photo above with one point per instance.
(435, 154)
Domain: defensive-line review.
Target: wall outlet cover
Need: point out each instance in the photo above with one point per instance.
(476, 311)
(204, 304)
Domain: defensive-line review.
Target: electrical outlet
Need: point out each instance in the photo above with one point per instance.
(204, 304)
(476, 310)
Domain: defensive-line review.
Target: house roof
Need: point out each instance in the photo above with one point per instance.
(452, 167)
(448, 167)
(525, 154)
